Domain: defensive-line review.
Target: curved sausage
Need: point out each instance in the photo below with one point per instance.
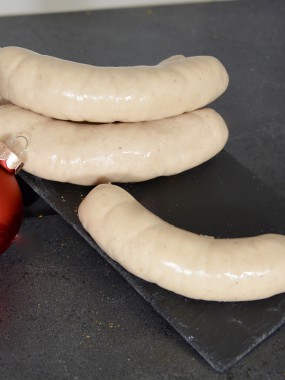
(3, 101)
(87, 154)
(73, 91)
(194, 266)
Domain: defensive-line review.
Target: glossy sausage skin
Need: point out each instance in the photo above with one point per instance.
(73, 91)
(194, 266)
(87, 154)
(3, 101)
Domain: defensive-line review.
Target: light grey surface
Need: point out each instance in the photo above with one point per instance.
(18, 7)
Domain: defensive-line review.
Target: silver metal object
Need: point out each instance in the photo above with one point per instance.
(8, 159)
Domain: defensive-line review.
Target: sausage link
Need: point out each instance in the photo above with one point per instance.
(194, 266)
(87, 154)
(73, 91)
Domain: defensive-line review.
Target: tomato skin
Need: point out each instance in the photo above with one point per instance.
(11, 209)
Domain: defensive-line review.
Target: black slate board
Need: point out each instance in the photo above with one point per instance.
(219, 198)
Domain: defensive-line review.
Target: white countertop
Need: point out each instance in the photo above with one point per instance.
(21, 7)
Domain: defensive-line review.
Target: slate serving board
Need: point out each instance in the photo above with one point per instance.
(219, 198)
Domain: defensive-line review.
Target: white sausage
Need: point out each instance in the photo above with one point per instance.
(73, 91)
(87, 154)
(194, 266)
(3, 101)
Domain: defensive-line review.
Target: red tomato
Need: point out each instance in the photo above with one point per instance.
(11, 209)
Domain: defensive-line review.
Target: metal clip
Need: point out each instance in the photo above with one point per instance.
(8, 159)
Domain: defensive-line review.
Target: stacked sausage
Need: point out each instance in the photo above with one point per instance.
(157, 134)
(160, 130)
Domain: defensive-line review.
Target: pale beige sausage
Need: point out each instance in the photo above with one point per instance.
(73, 91)
(3, 101)
(87, 154)
(188, 264)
